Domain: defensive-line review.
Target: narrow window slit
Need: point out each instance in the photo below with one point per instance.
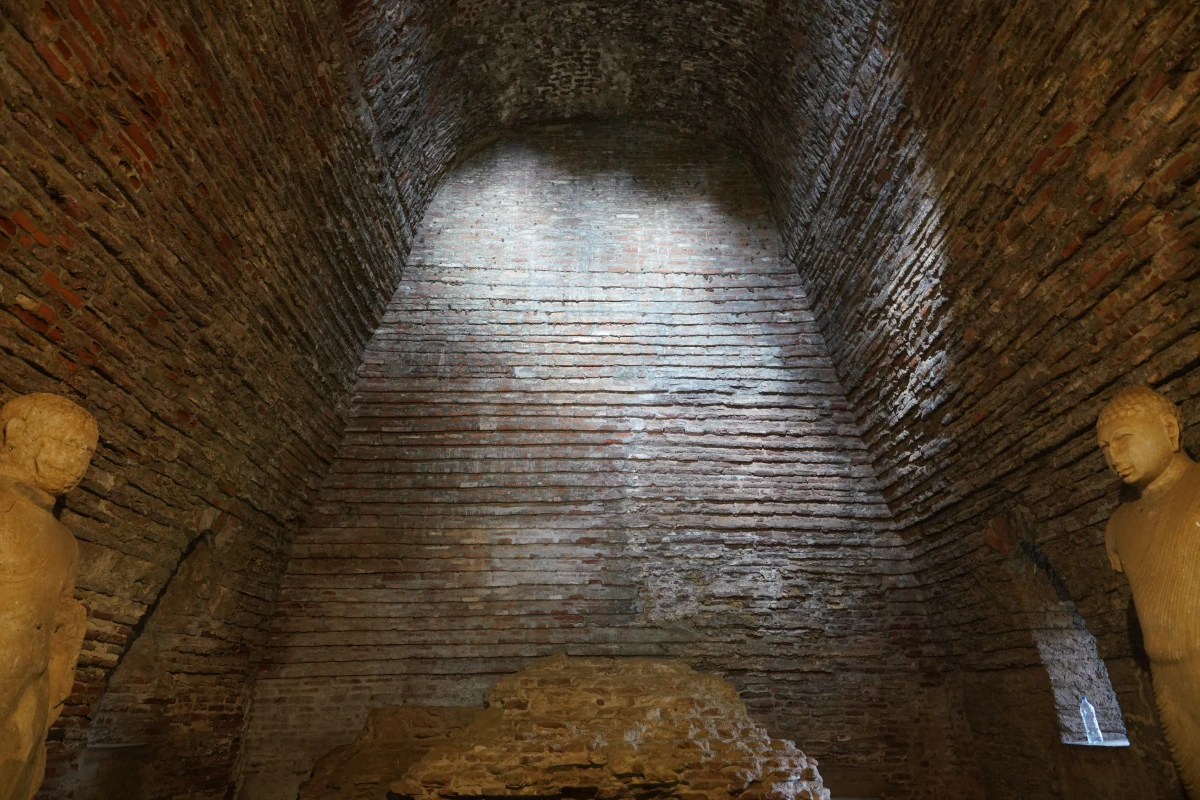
(1087, 707)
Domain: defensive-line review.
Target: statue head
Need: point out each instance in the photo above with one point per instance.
(1140, 433)
(46, 441)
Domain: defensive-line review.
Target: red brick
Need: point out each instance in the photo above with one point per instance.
(1138, 221)
(60, 70)
(78, 12)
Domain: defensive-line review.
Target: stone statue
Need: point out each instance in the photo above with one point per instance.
(46, 443)
(1155, 541)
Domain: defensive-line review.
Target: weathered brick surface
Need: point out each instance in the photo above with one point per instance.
(612, 728)
(991, 205)
(1007, 240)
(445, 77)
(598, 418)
(393, 739)
(195, 243)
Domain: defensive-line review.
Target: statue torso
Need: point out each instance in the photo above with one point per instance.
(37, 564)
(1158, 543)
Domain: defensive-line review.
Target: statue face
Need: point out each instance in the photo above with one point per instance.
(1138, 447)
(62, 461)
(53, 460)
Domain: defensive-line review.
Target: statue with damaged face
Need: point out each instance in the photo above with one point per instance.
(1155, 540)
(46, 443)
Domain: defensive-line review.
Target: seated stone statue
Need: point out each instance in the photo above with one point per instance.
(1155, 541)
(46, 443)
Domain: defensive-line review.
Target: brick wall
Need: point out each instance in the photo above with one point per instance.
(195, 243)
(991, 206)
(1008, 240)
(598, 419)
(446, 77)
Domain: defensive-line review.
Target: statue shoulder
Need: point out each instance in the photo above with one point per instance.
(1188, 492)
(15, 508)
(9, 496)
(1192, 476)
(32, 541)
(1121, 517)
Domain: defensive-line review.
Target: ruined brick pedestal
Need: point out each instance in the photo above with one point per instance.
(394, 738)
(609, 728)
(573, 727)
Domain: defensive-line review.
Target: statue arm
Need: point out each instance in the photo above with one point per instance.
(1110, 544)
(70, 625)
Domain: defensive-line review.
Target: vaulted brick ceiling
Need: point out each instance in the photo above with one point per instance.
(444, 77)
(204, 209)
(984, 200)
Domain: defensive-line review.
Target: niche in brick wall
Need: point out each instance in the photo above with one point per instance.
(1038, 600)
(147, 726)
